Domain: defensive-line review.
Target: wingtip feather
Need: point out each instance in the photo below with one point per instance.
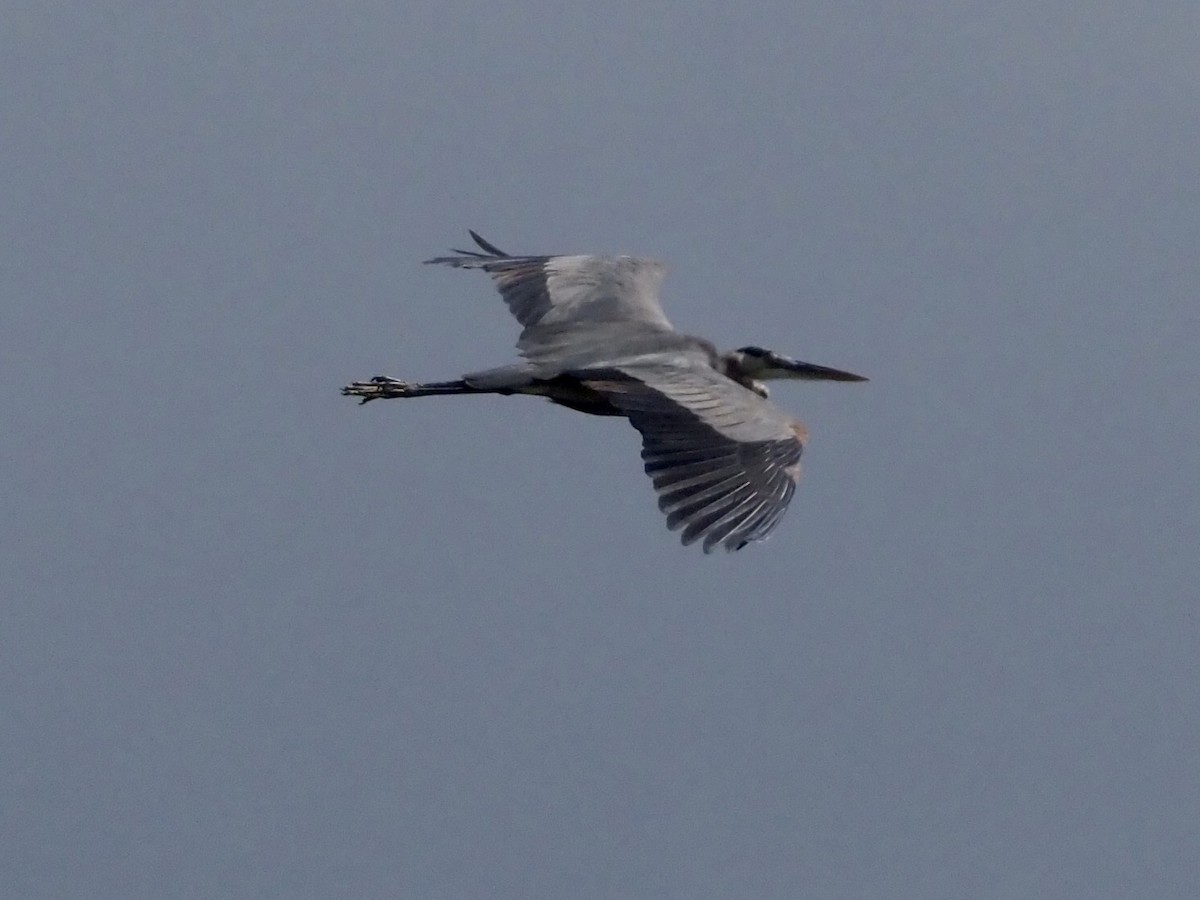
(470, 258)
(485, 245)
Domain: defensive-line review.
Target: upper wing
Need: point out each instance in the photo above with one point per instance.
(553, 295)
(724, 461)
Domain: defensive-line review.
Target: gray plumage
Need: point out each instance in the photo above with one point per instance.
(723, 460)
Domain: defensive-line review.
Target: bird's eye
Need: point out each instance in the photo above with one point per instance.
(757, 352)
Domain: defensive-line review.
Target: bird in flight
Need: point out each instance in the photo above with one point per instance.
(724, 461)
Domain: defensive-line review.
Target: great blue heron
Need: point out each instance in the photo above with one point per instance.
(724, 461)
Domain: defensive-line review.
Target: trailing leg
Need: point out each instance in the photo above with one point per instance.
(383, 388)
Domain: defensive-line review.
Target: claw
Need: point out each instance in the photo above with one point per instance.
(378, 388)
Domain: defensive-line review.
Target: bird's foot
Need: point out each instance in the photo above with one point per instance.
(378, 388)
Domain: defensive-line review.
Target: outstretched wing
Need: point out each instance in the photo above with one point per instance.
(724, 461)
(558, 296)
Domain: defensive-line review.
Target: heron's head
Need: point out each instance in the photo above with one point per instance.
(753, 365)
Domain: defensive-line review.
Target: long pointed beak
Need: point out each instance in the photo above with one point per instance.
(813, 372)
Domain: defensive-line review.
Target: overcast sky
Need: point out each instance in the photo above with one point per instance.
(257, 641)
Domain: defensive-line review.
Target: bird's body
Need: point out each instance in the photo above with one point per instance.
(724, 461)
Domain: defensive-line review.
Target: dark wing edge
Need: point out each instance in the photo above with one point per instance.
(521, 280)
(717, 490)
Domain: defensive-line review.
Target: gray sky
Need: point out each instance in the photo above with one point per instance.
(259, 642)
